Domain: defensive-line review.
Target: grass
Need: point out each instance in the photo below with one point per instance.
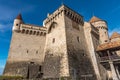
(10, 77)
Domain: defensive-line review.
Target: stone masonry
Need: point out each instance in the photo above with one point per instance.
(62, 49)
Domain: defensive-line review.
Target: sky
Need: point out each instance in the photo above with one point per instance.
(35, 11)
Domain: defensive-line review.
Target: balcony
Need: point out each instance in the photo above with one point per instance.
(113, 58)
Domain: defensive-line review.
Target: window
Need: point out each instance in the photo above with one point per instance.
(78, 39)
(105, 32)
(40, 69)
(27, 32)
(23, 31)
(27, 51)
(36, 52)
(32, 62)
(16, 24)
(106, 41)
(53, 40)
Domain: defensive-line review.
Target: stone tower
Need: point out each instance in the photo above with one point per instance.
(17, 22)
(26, 53)
(66, 54)
(101, 25)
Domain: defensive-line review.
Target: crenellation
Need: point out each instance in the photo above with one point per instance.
(68, 12)
(32, 30)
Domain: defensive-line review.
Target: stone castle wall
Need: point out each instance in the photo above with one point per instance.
(77, 50)
(25, 49)
(55, 64)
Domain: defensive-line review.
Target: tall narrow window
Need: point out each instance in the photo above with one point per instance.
(78, 39)
(16, 24)
(27, 51)
(53, 40)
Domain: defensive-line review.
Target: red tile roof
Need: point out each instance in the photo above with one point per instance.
(94, 19)
(19, 17)
(115, 35)
(109, 45)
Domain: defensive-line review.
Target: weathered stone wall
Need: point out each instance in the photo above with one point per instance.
(24, 49)
(78, 56)
(56, 63)
(16, 69)
(115, 39)
(103, 31)
(92, 39)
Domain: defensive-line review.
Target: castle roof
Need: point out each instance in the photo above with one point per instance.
(110, 45)
(94, 19)
(115, 35)
(19, 17)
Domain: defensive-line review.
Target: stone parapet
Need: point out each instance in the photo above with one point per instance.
(68, 12)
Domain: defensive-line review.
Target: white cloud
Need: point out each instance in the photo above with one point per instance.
(2, 66)
(5, 27)
(117, 29)
(1, 71)
(8, 13)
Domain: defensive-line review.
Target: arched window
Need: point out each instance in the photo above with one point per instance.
(41, 33)
(31, 32)
(37, 33)
(52, 26)
(34, 32)
(27, 31)
(23, 31)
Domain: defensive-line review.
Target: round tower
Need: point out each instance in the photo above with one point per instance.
(101, 25)
(17, 21)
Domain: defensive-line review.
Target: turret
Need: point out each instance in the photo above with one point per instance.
(101, 25)
(17, 21)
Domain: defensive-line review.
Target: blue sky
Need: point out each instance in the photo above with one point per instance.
(35, 11)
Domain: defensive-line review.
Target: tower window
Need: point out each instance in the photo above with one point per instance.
(105, 32)
(78, 39)
(27, 51)
(53, 40)
(16, 24)
(36, 52)
(105, 40)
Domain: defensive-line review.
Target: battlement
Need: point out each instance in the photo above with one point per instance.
(32, 29)
(102, 27)
(68, 12)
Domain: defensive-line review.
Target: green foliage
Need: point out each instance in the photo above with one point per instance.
(65, 78)
(11, 77)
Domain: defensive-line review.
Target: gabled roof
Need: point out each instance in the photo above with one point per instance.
(19, 17)
(115, 35)
(94, 19)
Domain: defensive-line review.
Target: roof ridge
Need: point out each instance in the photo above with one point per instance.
(115, 35)
(94, 19)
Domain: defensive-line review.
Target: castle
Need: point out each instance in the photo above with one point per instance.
(64, 48)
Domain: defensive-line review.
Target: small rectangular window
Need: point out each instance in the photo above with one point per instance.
(78, 39)
(27, 51)
(53, 40)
